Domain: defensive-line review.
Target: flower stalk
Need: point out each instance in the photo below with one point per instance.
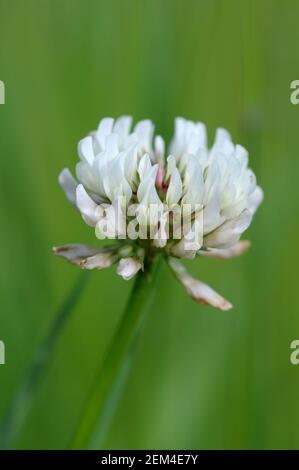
(109, 382)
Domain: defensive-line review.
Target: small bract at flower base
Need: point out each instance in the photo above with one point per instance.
(190, 201)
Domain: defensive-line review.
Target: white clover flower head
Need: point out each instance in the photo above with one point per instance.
(192, 200)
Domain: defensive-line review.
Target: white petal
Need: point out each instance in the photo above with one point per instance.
(211, 215)
(189, 138)
(144, 166)
(128, 267)
(233, 210)
(147, 193)
(175, 188)
(201, 132)
(193, 182)
(236, 250)
(115, 183)
(122, 126)
(159, 148)
(255, 199)
(199, 291)
(242, 155)
(148, 174)
(130, 165)
(85, 150)
(111, 146)
(144, 130)
(229, 233)
(179, 127)
(104, 129)
(89, 177)
(221, 136)
(68, 184)
(86, 206)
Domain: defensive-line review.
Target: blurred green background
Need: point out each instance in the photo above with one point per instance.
(201, 378)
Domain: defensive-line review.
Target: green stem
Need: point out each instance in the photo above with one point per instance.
(22, 401)
(105, 393)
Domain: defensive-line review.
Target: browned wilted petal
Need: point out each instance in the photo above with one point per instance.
(199, 291)
(87, 257)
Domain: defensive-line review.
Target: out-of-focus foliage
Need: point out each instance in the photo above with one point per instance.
(201, 378)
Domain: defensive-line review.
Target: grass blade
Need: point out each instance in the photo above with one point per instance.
(22, 401)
